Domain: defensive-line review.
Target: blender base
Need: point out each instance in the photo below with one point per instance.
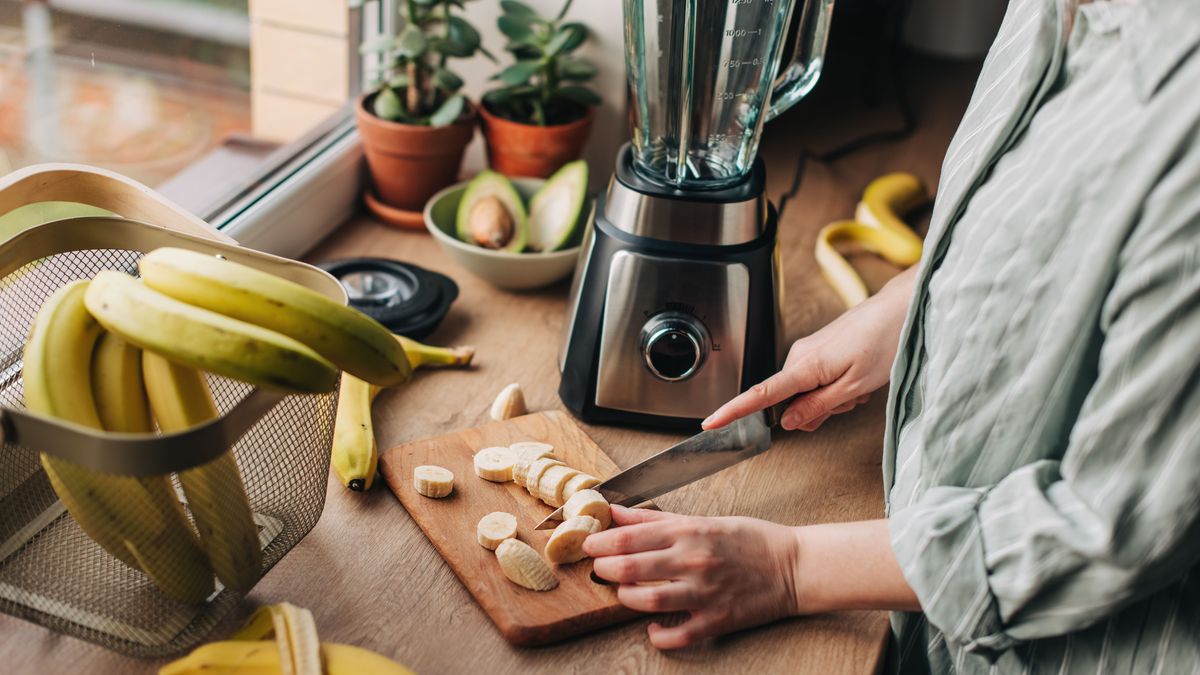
(662, 331)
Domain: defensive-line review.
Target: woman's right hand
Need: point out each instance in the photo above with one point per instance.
(834, 369)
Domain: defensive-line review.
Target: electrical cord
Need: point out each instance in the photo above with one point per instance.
(908, 116)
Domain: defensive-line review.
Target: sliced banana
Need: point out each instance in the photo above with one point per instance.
(495, 464)
(566, 544)
(433, 481)
(494, 528)
(588, 503)
(519, 470)
(532, 451)
(550, 485)
(534, 474)
(509, 403)
(524, 567)
(581, 481)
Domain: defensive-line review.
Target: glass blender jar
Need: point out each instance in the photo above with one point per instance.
(703, 77)
(675, 305)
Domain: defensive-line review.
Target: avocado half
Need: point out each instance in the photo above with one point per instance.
(492, 184)
(554, 212)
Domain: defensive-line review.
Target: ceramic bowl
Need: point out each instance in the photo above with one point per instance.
(503, 269)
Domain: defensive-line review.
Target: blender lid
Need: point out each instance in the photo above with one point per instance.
(408, 299)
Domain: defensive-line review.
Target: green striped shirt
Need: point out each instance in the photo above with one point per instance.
(1042, 458)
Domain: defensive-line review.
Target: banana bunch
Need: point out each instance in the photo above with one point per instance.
(355, 455)
(877, 227)
(296, 650)
(121, 354)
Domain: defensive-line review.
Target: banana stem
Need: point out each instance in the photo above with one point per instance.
(421, 355)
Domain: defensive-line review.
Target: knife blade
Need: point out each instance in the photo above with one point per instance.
(701, 455)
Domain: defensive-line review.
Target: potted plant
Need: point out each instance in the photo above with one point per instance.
(541, 117)
(416, 125)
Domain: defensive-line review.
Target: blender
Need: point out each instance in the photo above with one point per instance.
(675, 303)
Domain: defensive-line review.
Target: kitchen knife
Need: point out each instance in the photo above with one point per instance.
(701, 455)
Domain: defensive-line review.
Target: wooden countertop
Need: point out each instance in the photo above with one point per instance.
(371, 578)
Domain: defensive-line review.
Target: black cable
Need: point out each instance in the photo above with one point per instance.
(908, 116)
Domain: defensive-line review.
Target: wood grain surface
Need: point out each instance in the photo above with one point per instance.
(524, 617)
(371, 577)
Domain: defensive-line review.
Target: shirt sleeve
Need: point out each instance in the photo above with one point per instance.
(1056, 546)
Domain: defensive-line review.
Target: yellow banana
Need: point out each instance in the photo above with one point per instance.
(138, 520)
(878, 228)
(243, 657)
(355, 453)
(117, 386)
(350, 339)
(204, 339)
(181, 399)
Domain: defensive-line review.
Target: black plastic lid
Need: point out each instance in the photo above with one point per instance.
(408, 299)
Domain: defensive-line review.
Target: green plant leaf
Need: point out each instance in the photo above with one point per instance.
(447, 80)
(515, 29)
(398, 81)
(448, 112)
(525, 52)
(462, 39)
(517, 8)
(387, 105)
(411, 42)
(519, 72)
(567, 39)
(576, 70)
(579, 95)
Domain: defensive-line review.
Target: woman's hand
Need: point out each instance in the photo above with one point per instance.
(728, 573)
(834, 369)
(734, 573)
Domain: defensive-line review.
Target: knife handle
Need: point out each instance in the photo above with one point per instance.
(775, 413)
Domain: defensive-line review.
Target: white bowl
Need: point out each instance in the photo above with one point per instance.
(504, 269)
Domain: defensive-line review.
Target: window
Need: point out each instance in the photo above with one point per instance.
(215, 103)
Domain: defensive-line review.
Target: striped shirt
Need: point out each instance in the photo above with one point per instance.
(1042, 458)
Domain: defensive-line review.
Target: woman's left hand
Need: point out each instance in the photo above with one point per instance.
(728, 573)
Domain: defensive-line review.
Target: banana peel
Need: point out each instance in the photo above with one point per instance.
(878, 227)
(296, 650)
(355, 452)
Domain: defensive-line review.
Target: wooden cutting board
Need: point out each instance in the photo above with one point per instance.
(524, 617)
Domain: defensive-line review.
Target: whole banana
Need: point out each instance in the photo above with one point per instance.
(137, 520)
(352, 340)
(204, 339)
(180, 399)
(260, 657)
(355, 452)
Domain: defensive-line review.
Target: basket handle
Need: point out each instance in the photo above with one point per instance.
(135, 454)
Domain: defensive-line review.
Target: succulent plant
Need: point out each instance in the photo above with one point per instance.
(545, 84)
(418, 87)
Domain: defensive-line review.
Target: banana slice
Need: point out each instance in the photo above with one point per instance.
(536, 469)
(581, 481)
(509, 403)
(532, 451)
(433, 481)
(495, 464)
(520, 469)
(550, 485)
(524, 567)
(566, 544)
(588, 503)
(494, 528)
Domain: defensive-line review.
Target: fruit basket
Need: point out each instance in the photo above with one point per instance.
(51, 572)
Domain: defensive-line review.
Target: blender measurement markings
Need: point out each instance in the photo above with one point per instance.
(740, 63)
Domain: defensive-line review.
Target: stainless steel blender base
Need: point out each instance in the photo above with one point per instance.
(674, 305)
(651, 299)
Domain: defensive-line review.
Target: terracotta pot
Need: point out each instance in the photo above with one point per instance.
(410, 162)
(516, 149)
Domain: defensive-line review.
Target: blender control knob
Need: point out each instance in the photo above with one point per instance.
(674, 345)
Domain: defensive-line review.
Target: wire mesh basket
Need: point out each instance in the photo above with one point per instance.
(51, 572)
